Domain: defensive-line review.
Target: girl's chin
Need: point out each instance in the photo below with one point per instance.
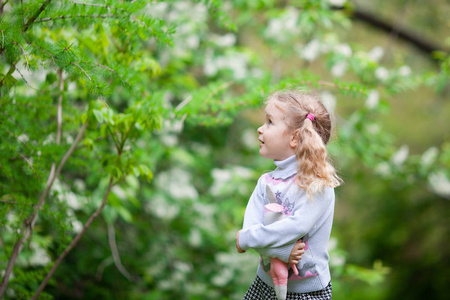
(263, 154)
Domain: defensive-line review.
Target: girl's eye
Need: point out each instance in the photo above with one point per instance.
(269, 121)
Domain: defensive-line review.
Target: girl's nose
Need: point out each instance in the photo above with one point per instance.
(260, 130)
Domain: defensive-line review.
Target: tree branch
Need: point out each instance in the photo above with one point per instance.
(402, 33)
(31, 220)
(30, 164)
(77, 16)
(98, 5)
(24, 54)
(59, 114)
(75, 240)
(115, 252)
(33, 18)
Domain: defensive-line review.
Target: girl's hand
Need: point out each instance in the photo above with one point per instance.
(237, 243)
(296, 253)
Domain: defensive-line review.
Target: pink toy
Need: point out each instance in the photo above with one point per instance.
(278, 268)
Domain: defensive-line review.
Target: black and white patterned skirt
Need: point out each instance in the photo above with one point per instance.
(259, 290)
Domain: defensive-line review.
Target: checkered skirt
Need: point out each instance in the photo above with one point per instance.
(259, 290)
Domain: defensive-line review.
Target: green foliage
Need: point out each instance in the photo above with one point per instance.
(169, 93)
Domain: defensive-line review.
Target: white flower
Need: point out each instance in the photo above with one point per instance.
(339, 68)
(404, 71)
(77, 226)
(23, 138)
(290, 19)
(40, 256)
(382, 73)
(400, 156)
(376, 53)
(429, 156)
(328, 100)
(238, 64)
(177, 183)
(119, 192)
(223, 278)
(205, 217)
(343, 49)
(274, 28)
(192, 41)
(69, 139)
(337, 2)
(169, 140)
(226, 40)
(373, 128)
(161, 208)
(440, 184)
(72, 200)
(72, 86)
(311, 51)
(242, 172)
(49, 139)
(332, 244)
(79, 185)
(249, 138)
(221, 177)
(195, 238)
(383, 169)
(372, 99)
(157, 8)
(210, 67)
(280, 29)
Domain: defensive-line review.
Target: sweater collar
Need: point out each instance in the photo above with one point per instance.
(285, 168)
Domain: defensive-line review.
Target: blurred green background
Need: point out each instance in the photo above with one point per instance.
(166, 97)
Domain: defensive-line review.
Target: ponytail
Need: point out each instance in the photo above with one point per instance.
(314, 172)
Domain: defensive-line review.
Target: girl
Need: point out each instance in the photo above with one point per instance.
(296, 130)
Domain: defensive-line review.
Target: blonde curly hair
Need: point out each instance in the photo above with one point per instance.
(314, 171)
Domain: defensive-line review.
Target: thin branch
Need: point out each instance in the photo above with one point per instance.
(183, 103)
(89, 4)
(89, 77)
(115, 253)
(37, 47)
(98, 5)
(1, 6)
(75, 240)
(31, 220)
(59, 110)
(24, 54)
(102, 267)
(404, 34)
(21, 75)
(77, 16)
(7, 201)
(82, 70)
(33, 18)
(112, 70)
(30, 164)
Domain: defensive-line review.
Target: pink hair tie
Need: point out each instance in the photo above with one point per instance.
(310, 116)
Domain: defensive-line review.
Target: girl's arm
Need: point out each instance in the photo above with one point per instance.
(281, 236)
(254, 213)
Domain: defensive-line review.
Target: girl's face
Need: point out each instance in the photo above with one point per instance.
(277, 142)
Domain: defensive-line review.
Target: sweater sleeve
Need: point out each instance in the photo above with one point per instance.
(254, 213)
(282, 252)
(283, 234)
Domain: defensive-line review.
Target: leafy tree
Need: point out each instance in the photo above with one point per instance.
(98, 97)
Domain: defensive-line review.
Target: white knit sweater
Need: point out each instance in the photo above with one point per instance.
(308, 219)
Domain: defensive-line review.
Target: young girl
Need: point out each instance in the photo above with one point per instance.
(295, 133)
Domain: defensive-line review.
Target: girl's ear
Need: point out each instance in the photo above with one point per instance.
(294, 140)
